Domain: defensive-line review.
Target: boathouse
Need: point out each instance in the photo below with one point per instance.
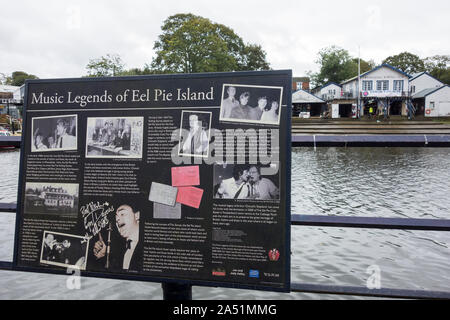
(435, 102)
(306, 104)
(382, 87)
(423, 80)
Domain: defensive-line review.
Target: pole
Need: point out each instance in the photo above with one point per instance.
(359, 83)
(176, 291)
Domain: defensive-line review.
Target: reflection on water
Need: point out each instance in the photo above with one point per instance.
(381, 182)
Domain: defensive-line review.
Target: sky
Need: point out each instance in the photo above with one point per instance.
(56, 39)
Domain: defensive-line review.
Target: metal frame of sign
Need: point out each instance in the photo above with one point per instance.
(286, 124)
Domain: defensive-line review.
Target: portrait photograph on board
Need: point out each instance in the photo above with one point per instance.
(114, 137)
(118, 246)
(64, 250)
(195, 130)
(50, 198)
(251, 104)
(244, 182)
(54, 133)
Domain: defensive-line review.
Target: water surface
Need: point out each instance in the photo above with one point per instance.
(370, 182)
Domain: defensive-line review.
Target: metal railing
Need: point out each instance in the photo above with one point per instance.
(341, 222)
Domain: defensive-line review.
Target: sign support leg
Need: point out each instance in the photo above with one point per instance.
(176, 291)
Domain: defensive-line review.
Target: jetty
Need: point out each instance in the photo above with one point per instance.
(393, 132)
(10, 141)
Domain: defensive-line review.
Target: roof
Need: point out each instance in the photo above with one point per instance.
(6, 88)
(375, 69)
(328, 84)
(415, 75)
(302, 96)
(419, 74)
(325, 85)
(426, 92)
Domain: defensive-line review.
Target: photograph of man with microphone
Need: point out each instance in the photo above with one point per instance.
(118, 246)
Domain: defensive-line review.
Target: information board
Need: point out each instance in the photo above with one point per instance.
(161, 178)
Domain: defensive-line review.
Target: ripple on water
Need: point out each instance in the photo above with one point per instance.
(371, 182)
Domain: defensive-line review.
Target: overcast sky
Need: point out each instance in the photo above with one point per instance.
(54, 39)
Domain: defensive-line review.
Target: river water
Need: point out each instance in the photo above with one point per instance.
(368, 182)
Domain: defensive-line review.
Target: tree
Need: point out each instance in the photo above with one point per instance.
(407, 62)
(364, 66)
(336, 65)
(191, 43)
(439, 67)
(18, 78)
(137, 71)
(105, 66)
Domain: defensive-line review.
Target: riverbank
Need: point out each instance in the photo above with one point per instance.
(393, 132)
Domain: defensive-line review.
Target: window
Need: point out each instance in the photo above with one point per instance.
(413, 89)
(398, 85)
(367, 85)
(382, 85)
(431, 104)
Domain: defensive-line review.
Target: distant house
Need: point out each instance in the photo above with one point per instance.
(11, 97)
(305, 104)
(423, 80)
(328, 91)
(386, 89)
(434, 102)
(11, 92)
(300, 83)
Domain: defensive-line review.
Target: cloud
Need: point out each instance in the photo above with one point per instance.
(57, 38)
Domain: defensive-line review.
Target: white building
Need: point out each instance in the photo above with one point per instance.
(379, 87)
(423, 80)
(328, 91)
(14, 91)
(434, 101)
(305, 104)
(10, 98)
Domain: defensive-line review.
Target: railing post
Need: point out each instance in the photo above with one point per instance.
(176, 291)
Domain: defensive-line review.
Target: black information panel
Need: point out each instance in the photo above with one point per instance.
(162, 178)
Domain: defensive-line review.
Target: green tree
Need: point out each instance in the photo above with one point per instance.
(439, 67)
(190, 43)
(407, 62)
(336, 65)
(365, 66)
(137, 71)
(18, 78)
(106, 66)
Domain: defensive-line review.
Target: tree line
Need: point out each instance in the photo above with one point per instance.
(336, 65)
(189, 43)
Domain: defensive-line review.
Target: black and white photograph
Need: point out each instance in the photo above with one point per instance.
(119, 246)
(251, 104)
(64, 250)
(54, 133)
(114, 137)
(51, 198)
(244, 181)
(195, 133)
